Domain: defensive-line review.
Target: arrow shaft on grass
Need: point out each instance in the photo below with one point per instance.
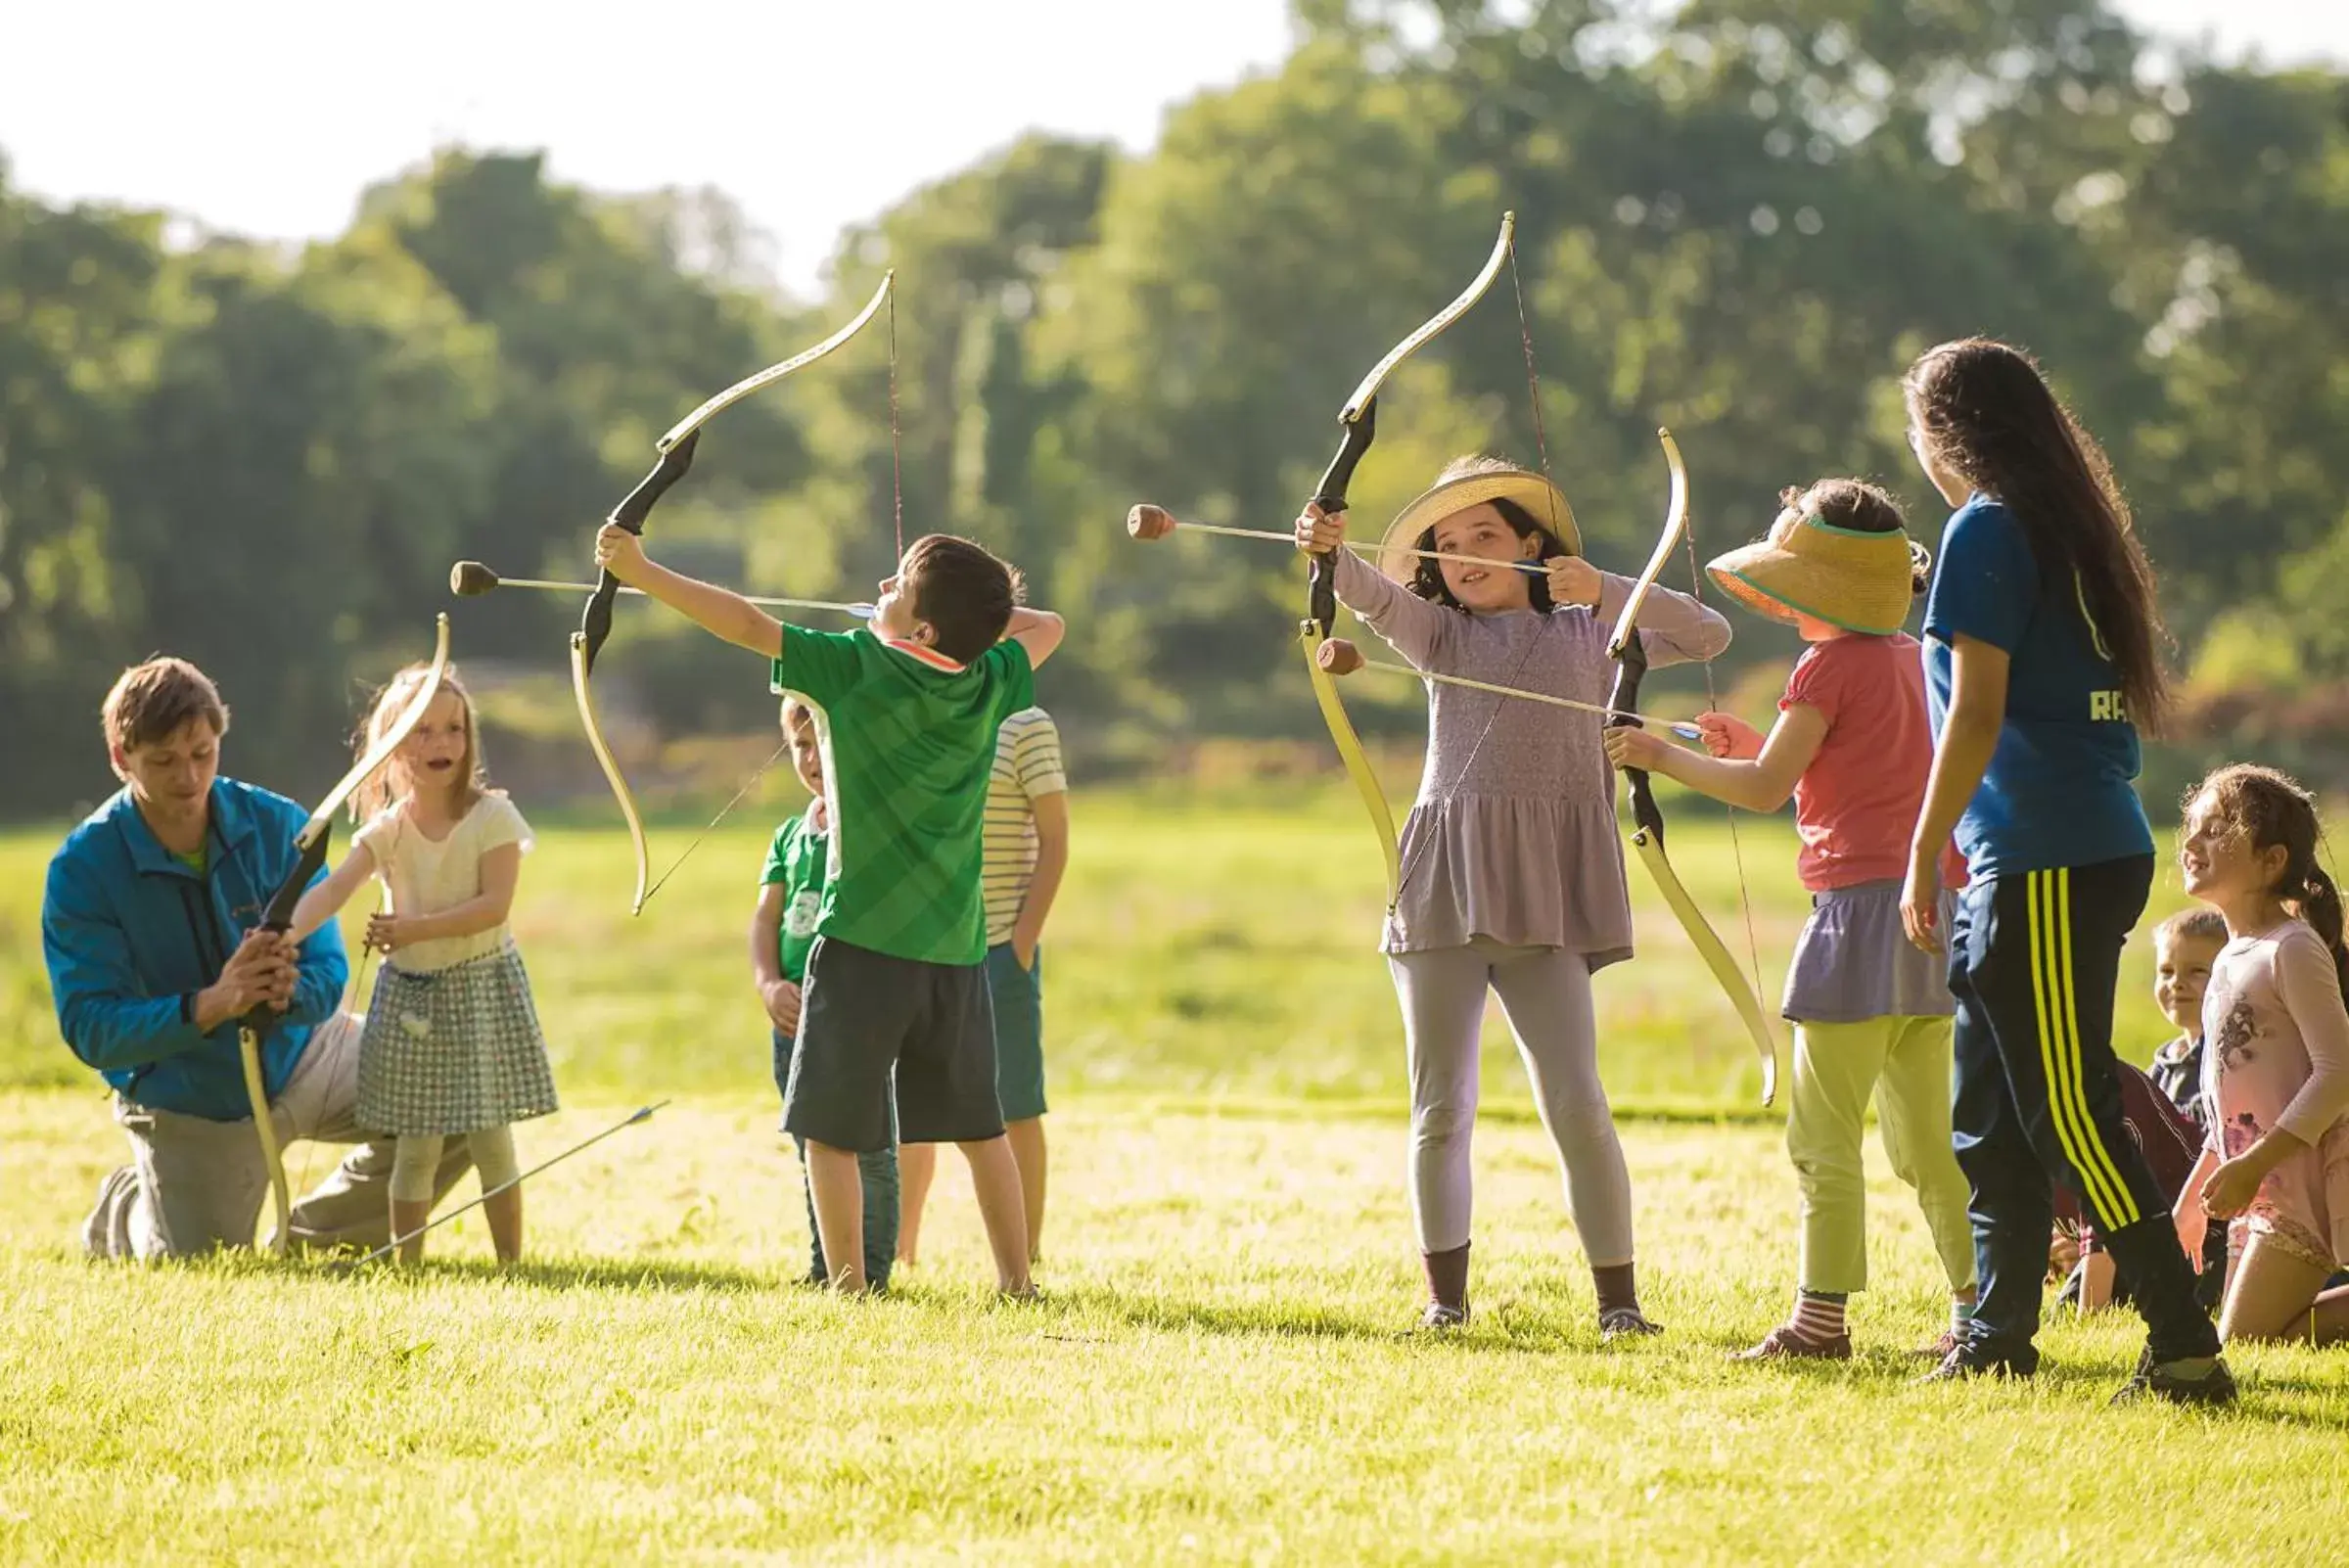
(396, 1242)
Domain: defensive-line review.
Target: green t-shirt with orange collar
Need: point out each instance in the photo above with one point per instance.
(909, 742)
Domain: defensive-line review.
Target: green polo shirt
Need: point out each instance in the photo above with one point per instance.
(909, 742)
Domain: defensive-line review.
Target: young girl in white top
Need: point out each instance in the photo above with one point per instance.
(452, 1043)
(2274, 1059)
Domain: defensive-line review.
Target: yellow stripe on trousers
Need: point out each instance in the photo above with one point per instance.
(2124, 1201)
(2048, 928)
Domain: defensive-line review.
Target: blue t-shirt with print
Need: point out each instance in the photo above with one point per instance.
(2058, 790)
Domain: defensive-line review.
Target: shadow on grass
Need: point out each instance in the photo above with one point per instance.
(1511, 1332)
(560, 1274)
(1069, 1316)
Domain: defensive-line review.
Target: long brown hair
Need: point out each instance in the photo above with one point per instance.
(376, 792)
(1983, 411)
(2272, 809)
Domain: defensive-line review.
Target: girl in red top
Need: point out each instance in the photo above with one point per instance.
(1852, 746)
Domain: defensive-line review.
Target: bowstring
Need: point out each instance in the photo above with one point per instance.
(896, 476)
(711, 826)
(1745, 903)
(1532, 377)
(1533, 381)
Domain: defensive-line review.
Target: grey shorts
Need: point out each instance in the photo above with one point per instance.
(867, 1017)
(1016, 997)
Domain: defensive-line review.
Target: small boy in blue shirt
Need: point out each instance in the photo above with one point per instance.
(2184, 946)
(790, 893)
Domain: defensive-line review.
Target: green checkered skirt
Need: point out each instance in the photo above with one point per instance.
(453, 1051)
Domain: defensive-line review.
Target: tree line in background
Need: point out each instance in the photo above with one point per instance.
(1741, 226)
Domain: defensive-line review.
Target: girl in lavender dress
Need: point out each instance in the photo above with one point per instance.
(2274, 1060)
(1511, 876)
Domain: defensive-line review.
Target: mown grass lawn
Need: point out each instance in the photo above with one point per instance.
(1221, 1371)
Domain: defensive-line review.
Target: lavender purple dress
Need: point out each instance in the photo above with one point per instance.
(1514, 834)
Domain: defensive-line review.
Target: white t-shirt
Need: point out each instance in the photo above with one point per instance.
(425, 877)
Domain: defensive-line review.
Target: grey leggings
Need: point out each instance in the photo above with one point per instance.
(417, 1155)
(1547, 996)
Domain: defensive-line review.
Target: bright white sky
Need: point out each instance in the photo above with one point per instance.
(268, 116)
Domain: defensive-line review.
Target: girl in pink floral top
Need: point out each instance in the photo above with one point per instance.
(2275, 1058)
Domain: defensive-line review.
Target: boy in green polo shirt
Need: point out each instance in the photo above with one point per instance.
(791, 895)
(895, 979)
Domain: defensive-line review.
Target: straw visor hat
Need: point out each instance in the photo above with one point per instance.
(1543, 502)
(1855, 578)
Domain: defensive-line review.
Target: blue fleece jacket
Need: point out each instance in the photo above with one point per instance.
(132, 933)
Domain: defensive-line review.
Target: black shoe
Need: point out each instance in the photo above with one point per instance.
(1618, 1323)
(1970, 1361)
(2214, 1390)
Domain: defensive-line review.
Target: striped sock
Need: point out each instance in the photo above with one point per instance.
(1961, 1313)
(1818, 1314)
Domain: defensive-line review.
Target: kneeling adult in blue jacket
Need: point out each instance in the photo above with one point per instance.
(147, 923)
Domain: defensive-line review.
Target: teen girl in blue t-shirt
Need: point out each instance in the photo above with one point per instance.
(2040, 661)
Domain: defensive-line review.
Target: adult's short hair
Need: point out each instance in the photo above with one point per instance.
(151, 701)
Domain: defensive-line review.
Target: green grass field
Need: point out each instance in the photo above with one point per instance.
(1221, 1372)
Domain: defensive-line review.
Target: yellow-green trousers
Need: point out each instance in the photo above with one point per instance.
(1904, 1065)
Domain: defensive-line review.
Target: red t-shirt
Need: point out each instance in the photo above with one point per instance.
(1857, 803)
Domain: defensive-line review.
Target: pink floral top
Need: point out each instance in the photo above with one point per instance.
(2277, 1055)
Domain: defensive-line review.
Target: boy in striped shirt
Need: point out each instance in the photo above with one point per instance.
(1026, 841)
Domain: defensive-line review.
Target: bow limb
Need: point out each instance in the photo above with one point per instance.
(674, 450)
(1358, 765)
(1716, 953)
(1320, 621)
(1359, 420)
(1647, 817)
(264, 1128)
(309, 859)
(611, 766)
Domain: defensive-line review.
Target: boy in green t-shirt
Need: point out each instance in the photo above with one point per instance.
(896, 977)
(791, 894)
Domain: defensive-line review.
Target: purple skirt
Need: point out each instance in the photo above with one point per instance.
(1854, 961)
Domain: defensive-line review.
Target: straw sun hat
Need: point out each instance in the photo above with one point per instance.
(1855, 578)
(1543, 502)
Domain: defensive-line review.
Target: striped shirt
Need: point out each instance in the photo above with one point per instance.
(1026, 765)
